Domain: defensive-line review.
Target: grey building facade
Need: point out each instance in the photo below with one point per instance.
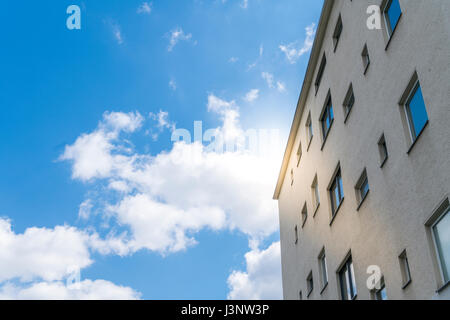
(364, 188)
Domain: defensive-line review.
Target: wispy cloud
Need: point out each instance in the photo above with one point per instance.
(292, 50)
(268, 77)
(244, 4)
(145, 8)
(233, 59)
(252, 95)
(177, 35)
(173, 84)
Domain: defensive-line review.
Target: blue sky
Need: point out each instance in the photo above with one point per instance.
(88, 170)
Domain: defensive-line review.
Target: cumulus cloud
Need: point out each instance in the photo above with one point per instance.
(58, 290)
(176, 36)
(262, 278)
(252, 95)
(292, 50)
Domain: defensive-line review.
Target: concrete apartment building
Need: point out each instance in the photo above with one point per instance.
(365, 178)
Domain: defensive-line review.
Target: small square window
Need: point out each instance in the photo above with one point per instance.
(337, 32)
(310, 283)
(404, 268)
(320, 73)
(299, 154)
(392, 13)
(382, 149)
(336, 190)
(365, 58)
(323, 268)
(304, 215)
(362, 188)
(349, 101)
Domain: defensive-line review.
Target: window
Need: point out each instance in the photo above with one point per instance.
(392, 13)
(404, 268)
(315, 194)
(322, 66)
(309, 129)
(300, 295)
(323, 269)
(349, 101)
(382, 148)
(327, 117)
(310, 283)
(292, 177)
(365, 58)
(296, 234)
(362, 188)
(299, 154)
(440, 231)
(416, 112)
(336, 192)
(304, 215)
(337, 32)
(347, 280)
(380, 294)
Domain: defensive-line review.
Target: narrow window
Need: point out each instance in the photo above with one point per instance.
(380, 294)
(349, 101)
(336, 192)
(416, 112)
(323, 268)
(309, 129)
(347, 280)
(296, 234)
(310, 283)
(299, 154)
(365, 58)
(362, 188)
(327, 117)
(382, 149)
(320, 73)
(441, 230)
(392, 13)
(304, 215)
(404, 268)
(337, 32)
(315, 194)
(300, 295)
(292, 177)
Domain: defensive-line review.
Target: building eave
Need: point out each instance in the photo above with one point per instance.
(314, 57)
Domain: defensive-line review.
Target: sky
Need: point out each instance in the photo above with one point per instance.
(139, 154)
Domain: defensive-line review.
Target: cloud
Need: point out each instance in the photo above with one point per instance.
(244, 4)
(262, 278)
(162, 122)
(173, 85)
(268, 77)
(144, 8)
(169, 197)
(177, 35)
(292, 52)
(117, 32)
(252, 95)
(58, 290)
(233, 60)
(281, 87)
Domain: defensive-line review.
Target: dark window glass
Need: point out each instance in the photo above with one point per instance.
(327, 118)
(416, 111)
(336, 192)
(347, 281)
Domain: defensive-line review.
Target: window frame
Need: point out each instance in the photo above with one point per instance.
(362, 180)
(337, 33)
(347, 106)
(409, 117)
(405, 269)
(323, 269)
(387, 22)
(309, 130)
(309, 284)
(326, 114)
(445, 276)
(336, 183)
(347, 268)
(320, 73)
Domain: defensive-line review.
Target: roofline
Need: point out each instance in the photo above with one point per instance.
(314, 57)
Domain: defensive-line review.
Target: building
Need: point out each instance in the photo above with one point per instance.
(365, 178)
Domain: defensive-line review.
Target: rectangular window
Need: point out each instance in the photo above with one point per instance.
(362, 187)
(416, 112)
(347, 280)
(392, 13)
(404, 268)
(441, 231)
(382, 149)
(336, 192)
(315, 193)
(381, 293)
(337, 32)
(327, 117)
(365, 58)
(299, 154)
(309, 129)
(304, 215)
(320, 73)
(296, 234)
(292, 177)
(310, 283)
(323, 268)
(300, 295)
(349, 101)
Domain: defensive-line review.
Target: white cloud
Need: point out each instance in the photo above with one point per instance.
(261, 280)
(292, 52)
(172, 84)
(281, 87)
(233, 60)
(162, 122)
(85, 209)
(58, 290)
(144, 8)
(244, 4)
(268, 77)
(177, 35)
(252, 95)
